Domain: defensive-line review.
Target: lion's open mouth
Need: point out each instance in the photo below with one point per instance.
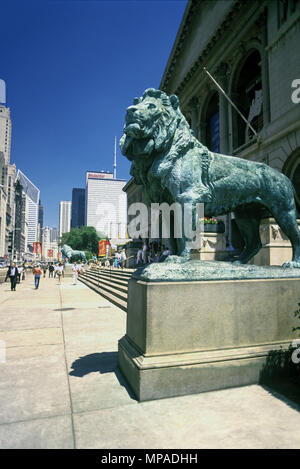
(134, 129)
(133, 147)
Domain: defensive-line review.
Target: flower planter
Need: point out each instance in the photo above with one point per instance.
(214, 228)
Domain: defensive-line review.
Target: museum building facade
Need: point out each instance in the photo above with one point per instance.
(251, 49)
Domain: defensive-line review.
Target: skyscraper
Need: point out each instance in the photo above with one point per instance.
(7, 178)
(78, 207)
(64, 217)
(5, 132)
(106, 204)
(53, 234)
(33, 196)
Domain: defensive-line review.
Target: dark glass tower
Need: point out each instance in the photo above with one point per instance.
(78, 208)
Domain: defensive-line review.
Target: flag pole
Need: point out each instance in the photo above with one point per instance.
(231, 102)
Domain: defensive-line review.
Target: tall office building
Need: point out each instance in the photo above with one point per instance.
(106, 204)
(53, 234)
(40, 221)
(5, 132)
(78, 208)
(49, 247)
(64, 217)
(7, 178)
(21, 221)
(33, 196)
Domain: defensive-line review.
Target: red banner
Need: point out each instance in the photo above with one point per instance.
(50, 253)
(37, 248)
(102, 247)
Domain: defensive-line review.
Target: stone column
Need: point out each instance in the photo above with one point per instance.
(265, 68)
(193, 107)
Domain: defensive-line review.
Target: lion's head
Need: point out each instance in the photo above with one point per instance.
(150, 124)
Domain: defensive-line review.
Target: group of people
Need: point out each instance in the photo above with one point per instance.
(120, 259)
(152, 253)
(56, 270)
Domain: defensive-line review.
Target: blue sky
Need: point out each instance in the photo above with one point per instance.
(71, 68)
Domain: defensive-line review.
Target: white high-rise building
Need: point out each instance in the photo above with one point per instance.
(106, 204)
(49, 248)
(7, 178)
(64, 217)
(5, 132)
(33, 196)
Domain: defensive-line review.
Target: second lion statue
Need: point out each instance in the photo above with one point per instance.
(173, 166)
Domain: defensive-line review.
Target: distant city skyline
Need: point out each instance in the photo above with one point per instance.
(76, 67)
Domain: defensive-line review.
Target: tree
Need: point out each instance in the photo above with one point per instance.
(84, 238)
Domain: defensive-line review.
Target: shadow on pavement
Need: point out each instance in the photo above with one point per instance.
(280, 376)
(104, 362)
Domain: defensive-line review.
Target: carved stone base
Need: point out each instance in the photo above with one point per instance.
(276, 247)
(213, 247)
(189, 337)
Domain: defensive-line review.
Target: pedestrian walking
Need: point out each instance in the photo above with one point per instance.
(37, 272)
(20, 270)
(59, 271)
(75, 270)
(12, 273)
(51, 270)
(145, 253)
(123, 258)
(45, 267)
(139, 257)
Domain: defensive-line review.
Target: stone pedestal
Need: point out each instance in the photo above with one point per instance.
(276, 247)
(195, 336)
(213, 247)
(68, 271)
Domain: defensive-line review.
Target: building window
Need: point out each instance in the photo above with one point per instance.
(286, 8)
(212, 121)
(249, 100)
(292, 170)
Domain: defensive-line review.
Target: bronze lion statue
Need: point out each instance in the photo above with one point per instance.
(173, 166)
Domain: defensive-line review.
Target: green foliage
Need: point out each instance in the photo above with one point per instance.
(84, 238)
(88, 255)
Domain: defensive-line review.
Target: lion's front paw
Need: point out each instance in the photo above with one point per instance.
(291, 265)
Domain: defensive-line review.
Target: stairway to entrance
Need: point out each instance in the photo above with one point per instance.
(110, 283)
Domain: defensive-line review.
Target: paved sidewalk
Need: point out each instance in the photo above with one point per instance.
(60, 386)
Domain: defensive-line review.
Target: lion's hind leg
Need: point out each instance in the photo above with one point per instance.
(287, 221)
(248, 220)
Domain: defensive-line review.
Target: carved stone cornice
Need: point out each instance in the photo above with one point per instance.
(226, 23)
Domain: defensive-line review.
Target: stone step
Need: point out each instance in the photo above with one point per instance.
(120, 303)
(118, 272)
(109, 287)
(114, 279)
(106, 282)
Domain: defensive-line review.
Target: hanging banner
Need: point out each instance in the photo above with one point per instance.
(102, 247)
(50, 253)
(37, 248)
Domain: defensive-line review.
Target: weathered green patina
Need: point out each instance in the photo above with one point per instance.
(173, 166)
(68, 252)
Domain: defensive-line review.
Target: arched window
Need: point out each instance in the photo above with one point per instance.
(292, 170)
(212, 121)
(248, 98)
